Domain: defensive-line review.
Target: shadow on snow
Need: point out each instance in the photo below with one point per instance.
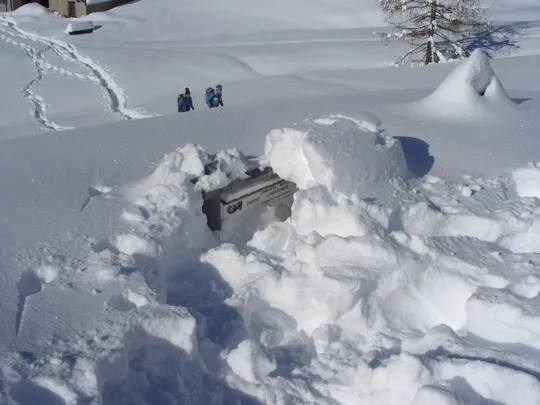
(419, 161)
(497, 38)
(200, 288)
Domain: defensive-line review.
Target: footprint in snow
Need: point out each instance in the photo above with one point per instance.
(30, 283)
(99, 191)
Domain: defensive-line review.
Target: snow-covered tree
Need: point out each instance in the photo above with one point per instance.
(434, 28)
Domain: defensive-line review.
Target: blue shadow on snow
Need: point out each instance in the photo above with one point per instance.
(419, 161)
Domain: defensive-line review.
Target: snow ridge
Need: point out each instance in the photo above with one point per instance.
(117, 100)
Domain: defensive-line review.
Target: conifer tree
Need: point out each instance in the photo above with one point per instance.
(434, 28)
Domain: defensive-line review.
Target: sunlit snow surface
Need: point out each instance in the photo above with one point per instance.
(408, 271)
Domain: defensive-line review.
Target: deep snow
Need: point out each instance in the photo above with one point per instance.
(407, 271)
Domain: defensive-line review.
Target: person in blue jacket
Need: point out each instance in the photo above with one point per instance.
(214, 97)
(185, 102)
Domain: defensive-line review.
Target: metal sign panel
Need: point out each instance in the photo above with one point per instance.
(263, 188)
(276, 193)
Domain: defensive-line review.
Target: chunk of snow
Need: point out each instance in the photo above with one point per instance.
(137, 299)
(131, 244)
(466, 191)
(250, 362)
(315, 209)
(192, 162)
(343, 156)
(471, 90)
(527, 182)
(229, 165)
(526, 241)
(47, 273)
(84, 376)
(175, 325)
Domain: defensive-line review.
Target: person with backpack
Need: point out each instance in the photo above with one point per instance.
(214, 97)
(185, 102)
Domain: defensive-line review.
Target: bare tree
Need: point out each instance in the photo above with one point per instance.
(433, 27)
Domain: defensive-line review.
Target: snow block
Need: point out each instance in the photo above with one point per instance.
(80, 27)
(345, 155)
(527, 182)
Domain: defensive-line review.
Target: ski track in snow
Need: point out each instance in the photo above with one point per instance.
(113, 93)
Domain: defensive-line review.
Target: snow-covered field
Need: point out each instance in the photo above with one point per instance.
(408, 272)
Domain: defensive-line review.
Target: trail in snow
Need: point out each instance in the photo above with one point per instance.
(39, 105)
(113, 93)
(39, 110)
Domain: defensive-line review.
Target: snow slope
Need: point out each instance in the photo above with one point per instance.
(140, 65)
(407, 272)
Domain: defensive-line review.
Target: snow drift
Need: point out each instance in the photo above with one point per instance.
(472, 90)
(31, 10)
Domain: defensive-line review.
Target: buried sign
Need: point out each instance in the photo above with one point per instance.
(263, 188)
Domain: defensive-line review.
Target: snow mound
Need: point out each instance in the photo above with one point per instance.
(193, 162)
(347, 156)
(472, 90)
(33, 10)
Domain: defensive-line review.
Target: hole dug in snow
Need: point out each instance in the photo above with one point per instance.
(43, 391)
(27, 392)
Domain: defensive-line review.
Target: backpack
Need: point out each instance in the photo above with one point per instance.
(179, 101)
(210, 94)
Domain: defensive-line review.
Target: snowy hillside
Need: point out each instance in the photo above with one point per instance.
(408, 271)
